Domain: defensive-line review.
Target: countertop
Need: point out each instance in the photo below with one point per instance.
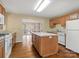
(2, 34)
(44, 34)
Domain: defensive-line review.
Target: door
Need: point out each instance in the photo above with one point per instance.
(32, 27)
(29, 28)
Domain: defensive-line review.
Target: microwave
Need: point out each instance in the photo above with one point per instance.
(1, 19)
(2, 25)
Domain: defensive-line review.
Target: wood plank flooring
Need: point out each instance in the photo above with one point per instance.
(25, 49)
(20, 51)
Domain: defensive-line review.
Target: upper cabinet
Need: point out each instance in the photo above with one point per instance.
(62, 20)
(2, 14)
(2, 10)
(53, 22)
(74, 16)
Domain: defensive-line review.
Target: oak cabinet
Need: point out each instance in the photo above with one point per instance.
(45, 45)
(62, 20)
(74, 16)
(1, 51)
(13, 39)
(2, 10)
(2, 47)
(53, 22)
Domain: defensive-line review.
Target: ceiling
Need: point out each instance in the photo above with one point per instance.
(56, 8)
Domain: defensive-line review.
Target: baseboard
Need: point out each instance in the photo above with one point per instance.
(72, 51)
(62, 44)
(18, 41)
(68, 49)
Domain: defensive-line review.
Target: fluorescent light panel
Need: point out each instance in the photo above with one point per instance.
(42, 5)
(38, 4)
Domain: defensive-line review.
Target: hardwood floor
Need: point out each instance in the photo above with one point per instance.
(26, 50)
(20, 51)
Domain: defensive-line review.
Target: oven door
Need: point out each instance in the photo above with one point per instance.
(8, 45)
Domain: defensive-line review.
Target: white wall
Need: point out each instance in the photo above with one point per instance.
(15, 24)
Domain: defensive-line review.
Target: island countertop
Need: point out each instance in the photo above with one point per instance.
(44, 34)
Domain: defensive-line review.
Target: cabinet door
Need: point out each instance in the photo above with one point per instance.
(53, 22)
(62, 20)
(1, 48)
(2, 10)
(49, 45)
(13, 39)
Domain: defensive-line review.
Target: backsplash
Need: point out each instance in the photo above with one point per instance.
(58, 28)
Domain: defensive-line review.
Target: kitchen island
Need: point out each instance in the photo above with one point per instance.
(45, 43)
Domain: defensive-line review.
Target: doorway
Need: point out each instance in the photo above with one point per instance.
(30, 27)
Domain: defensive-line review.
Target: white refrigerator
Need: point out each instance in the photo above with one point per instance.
(72, 35)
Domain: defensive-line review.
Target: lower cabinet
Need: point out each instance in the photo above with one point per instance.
(2, 47)
(13, 39)
(1, 51)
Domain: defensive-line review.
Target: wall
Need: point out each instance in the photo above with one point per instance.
(15, 24)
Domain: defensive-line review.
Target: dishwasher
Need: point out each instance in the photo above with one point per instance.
(61, 38)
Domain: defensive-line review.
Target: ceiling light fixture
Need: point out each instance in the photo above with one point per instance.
(38, 4)
(42, 5)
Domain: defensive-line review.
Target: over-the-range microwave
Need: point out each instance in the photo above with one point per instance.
(1, 18)
(1, 21)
